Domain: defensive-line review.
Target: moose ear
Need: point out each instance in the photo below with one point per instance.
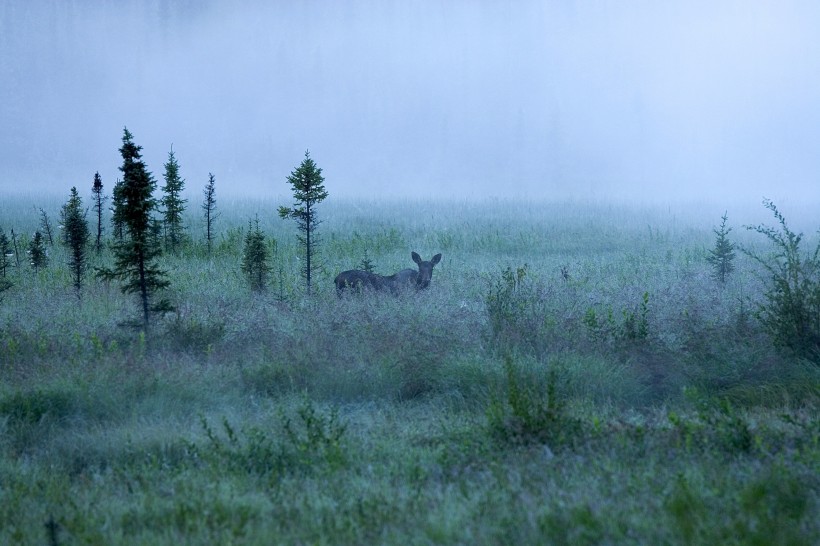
(416, 257)
(436, 259)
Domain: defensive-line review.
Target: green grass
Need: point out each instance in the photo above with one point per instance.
(634, 400)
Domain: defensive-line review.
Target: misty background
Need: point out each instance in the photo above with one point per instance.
(638, 100)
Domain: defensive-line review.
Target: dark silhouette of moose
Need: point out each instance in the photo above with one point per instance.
(404, 279)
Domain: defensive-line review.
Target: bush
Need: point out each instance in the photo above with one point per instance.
(314, 440)
(791, 309)
(519, 311)
(529, 412)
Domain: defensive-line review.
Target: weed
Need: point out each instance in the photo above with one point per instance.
(194, 334)
(791, 310)
(527, 413)
(312, 441)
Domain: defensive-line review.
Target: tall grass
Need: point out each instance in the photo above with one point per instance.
(610, 392)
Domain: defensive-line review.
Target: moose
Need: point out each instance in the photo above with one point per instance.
(406, 278)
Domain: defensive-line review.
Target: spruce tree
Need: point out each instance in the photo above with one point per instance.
(722, 256)
(75, 237)
(255, 257)
(38, 258)
(308, 191)
(5, 253)
(135, 256)
(209, 206)
(16, 250)
(45, 226)
(117, 210)
(173, 202)
(99, 199)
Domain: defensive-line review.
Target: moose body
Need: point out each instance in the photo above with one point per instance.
(404, 279)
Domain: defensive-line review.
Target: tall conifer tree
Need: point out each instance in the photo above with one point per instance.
(117, 210)
(75, 237)
(99, 199)
(308, 191)
(209, 206)
(173, 202)
(37, 252)
(135, 256)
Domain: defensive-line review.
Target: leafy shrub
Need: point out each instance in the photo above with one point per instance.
(518, 310)
(634, 325)
(769, 510)
(791, 310)
(192, 333)
(529, 412)
(313, 440)
(30, 407)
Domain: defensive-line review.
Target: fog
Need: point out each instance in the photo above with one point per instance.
(640, 100)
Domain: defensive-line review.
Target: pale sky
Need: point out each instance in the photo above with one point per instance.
(606, 99)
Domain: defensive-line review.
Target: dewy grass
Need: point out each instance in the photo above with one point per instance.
(611, 393)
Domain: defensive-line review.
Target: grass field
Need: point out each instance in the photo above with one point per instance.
(573, 375)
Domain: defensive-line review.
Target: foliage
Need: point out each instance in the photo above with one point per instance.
(313, 440)
(98, 199)
(791, 309)
(136, 255)
(633, 327)
(255, 257)
(173, 202)
(722, 257)
(209, 206)
(194, 334)
(308, 191)
(575, 439)
(531, 411)
(75, 236)
(38, 257)
(507, 301)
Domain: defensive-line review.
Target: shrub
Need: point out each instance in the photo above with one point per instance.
(529, 412)
(791, 309)
(314, 440)
(516, 309)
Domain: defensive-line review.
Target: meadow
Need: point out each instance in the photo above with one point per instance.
(573, 375)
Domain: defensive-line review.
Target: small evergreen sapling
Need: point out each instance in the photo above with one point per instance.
(38, 258)
(75, 237)
(308, 191)
(255, 257)
(367, 263)
(723, 255)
